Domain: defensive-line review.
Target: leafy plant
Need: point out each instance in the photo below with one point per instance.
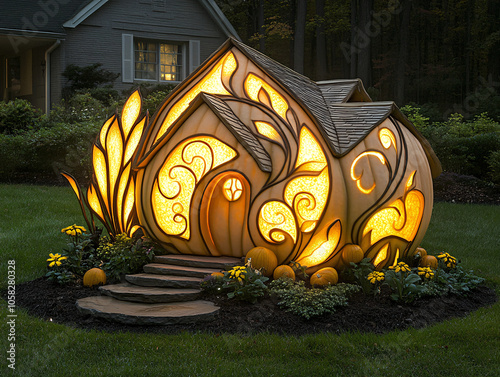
(300, 271)
(403, 283)
(359, 273)
(245, 283)
(18, 116)
(307, 303)
(57, 269)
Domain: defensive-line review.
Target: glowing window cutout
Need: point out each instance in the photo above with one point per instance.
(267, 130)
(387, 138)
(357, 178)
(254, 84)
(276, 218)
(381, 255)
(173, 189)
(409, 183)
(232, 189)
(211, 84)
(130, 112)
(321, 246)
(309, 150)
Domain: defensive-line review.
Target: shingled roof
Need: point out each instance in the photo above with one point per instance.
(344, 123)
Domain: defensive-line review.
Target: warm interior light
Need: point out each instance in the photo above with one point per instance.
(94, 201)
(211, 84)
(131, 112)
(399, 219)
(276, 218)
(267, 130)
(253, 85)
(409, 182)
(133, 141)
(321, 246)
(232, 189)
(114, 150)
(387, 138)
(357, 178)
(381, 255)
(173, 189)
(99, 164)
(310, 150)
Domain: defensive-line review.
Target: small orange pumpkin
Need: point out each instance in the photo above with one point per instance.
(325, 276)
(262, 258)
(284, 271)
(217, 275)
(94, 276)
(352, 253)
(421, 251)
(429, 261)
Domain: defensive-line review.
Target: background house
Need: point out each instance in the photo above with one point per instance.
(157, 41)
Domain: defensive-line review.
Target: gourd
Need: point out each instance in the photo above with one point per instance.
(262, 258)
(284, 271)
(324, 276)
(421, 251)
(429, 261)
(217, 275)
(352, 254)
(94, 276)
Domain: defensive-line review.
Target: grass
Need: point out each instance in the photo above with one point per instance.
(30, 221)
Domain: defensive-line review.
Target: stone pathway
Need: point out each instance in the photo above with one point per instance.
(166, 293)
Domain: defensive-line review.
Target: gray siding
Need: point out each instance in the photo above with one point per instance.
(99, 38)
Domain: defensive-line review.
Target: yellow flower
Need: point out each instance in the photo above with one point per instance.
(375, 276)
(448, 260)
(55, 259)
(426, 272)
(73, 230)
(237, 272)
(401, 266)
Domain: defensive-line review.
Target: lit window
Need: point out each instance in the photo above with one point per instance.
(158, 61)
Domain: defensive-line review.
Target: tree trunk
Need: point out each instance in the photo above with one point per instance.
(321, 63)
(365, 48)
(299, 37)
(404, 28)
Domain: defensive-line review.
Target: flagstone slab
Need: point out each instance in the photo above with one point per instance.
(170, 281)
(136, 293)
(172, 269)
(133, 313)
(198, 261)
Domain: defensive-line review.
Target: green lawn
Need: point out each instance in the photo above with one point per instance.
(30, 221)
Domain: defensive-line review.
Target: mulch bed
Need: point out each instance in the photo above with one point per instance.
(51, 302)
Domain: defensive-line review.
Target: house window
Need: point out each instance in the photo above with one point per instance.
(158, 61)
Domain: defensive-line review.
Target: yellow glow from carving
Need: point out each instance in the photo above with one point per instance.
(276, 218)
(121, 193)
(387, 138)
(267, 130)
(357, 178)
(114, 149)
(186, 165)
(254, 84)
(381, 256)
(409, 183)
(130, 112)
(104, 131)
(307, 195)
(129, 203)
(94, 201)
(211, 83)
(99, 163)
(133, 141)
(232, 189)
(399, 219)
(396, 258)
(310, 150)
(321, 246)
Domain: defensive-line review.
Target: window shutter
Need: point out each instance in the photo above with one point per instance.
(127, 58)
(194, 55)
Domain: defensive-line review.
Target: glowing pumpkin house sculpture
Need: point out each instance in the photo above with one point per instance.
(246, 152)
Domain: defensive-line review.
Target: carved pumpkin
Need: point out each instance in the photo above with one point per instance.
(262, 258)
(429, 261)
(94, 276)
(324, 276)
(284, 271)
(247, 153)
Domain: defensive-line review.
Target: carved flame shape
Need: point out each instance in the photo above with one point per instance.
(322, 245)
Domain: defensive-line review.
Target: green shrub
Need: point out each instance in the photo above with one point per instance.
(18, 116)
(91, 76)
(494, 166)
(307, 303)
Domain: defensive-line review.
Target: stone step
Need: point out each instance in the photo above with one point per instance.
(170, 281)
(198, 261)
(133, 313)
(172, 269)
(136, 293)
